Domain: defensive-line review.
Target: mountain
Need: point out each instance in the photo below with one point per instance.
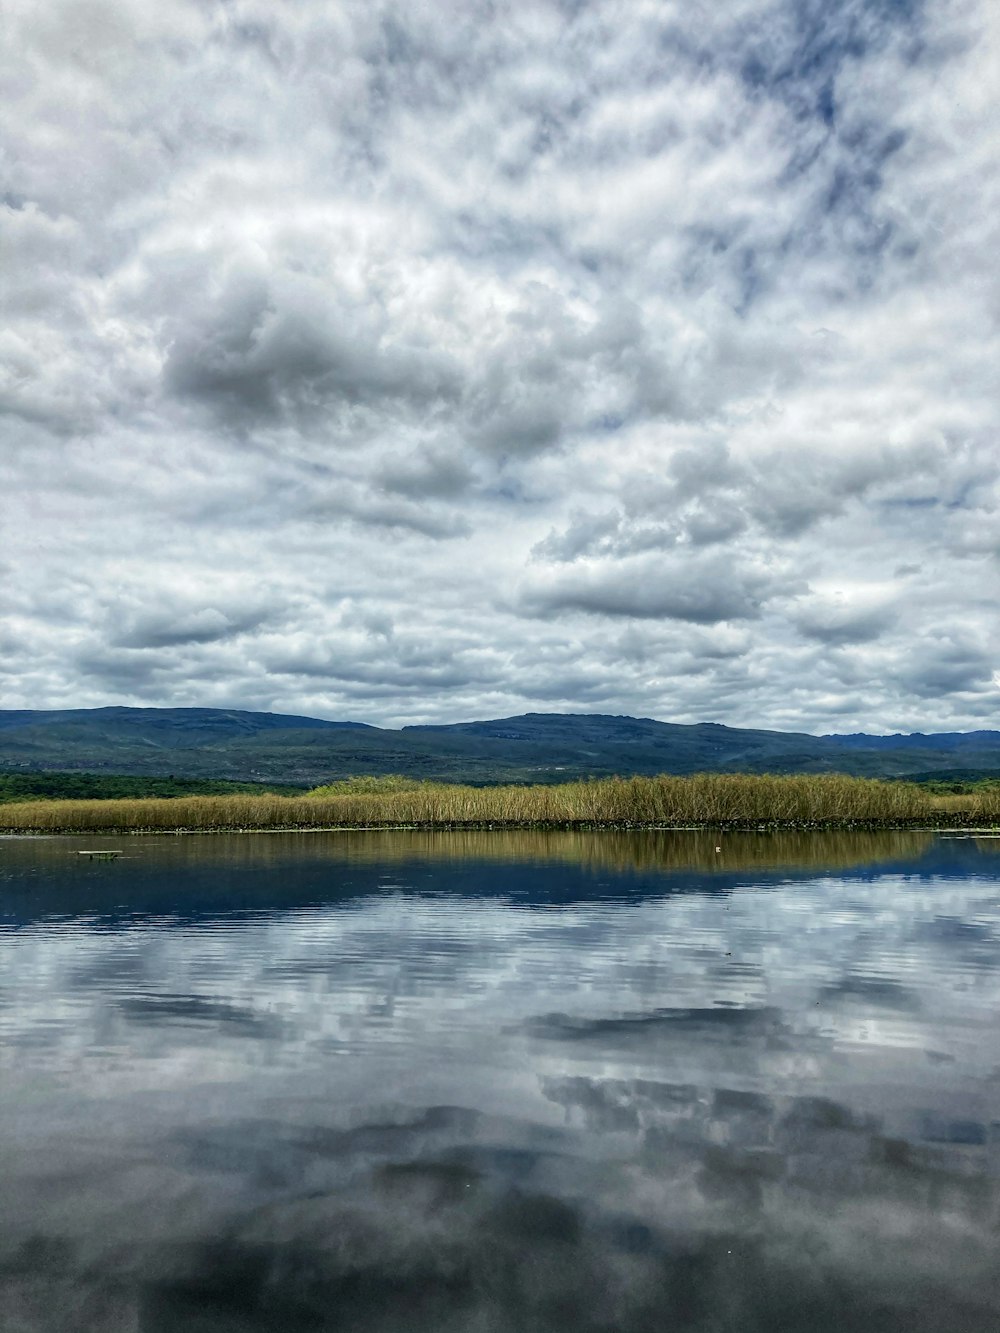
(177, 723)
(918, 740)
(534, 747)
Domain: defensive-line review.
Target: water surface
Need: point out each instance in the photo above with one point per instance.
(498, 1083)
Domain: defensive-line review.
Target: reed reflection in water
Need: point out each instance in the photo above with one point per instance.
(500, 1082)
(606, 849)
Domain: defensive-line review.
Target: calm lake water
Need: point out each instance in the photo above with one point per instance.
(500, 1083)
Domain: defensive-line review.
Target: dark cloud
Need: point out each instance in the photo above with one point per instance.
(839, 623)
(259, 355)
(700, 590)
(162, 628)
(427, 473)
(127, 671)
(946, 664)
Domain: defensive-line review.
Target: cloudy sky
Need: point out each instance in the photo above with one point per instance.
(408, 361)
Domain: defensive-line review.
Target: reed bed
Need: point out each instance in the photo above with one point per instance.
(707, 799)
(987, 806)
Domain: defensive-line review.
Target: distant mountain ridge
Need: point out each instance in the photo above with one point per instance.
(915, 740)
(179, 719)
(531, 747)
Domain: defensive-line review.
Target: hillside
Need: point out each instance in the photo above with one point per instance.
(535, 747)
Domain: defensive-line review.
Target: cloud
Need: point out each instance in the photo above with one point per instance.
(427, 472)
(951, 663)
(837, 622)
(521, 330)
(702, 590)
(269, 348)
(164, 629)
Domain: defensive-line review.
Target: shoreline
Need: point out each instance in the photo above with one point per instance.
(948, 824)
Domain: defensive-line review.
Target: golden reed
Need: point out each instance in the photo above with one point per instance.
(711, 799)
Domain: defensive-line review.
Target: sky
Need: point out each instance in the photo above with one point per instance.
(419, 362)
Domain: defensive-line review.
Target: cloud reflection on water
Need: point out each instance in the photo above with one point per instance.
(594, 1102)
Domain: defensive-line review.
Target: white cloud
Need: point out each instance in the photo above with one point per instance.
(605, 359)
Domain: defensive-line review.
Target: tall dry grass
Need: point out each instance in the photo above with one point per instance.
(984, 805)
(706, 799)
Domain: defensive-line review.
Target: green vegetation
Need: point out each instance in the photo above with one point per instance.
(382, 784)
(959, 781)
(105, 787)
(711, 799)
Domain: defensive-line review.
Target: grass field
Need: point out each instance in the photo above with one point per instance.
(714, 800)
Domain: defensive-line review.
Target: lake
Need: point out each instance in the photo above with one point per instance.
(500, 1083)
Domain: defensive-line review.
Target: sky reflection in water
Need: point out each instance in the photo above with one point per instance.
(500, 1082)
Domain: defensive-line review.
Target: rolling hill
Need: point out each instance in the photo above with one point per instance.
(536, 747)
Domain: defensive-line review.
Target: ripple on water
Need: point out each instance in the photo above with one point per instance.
(547, 1081)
